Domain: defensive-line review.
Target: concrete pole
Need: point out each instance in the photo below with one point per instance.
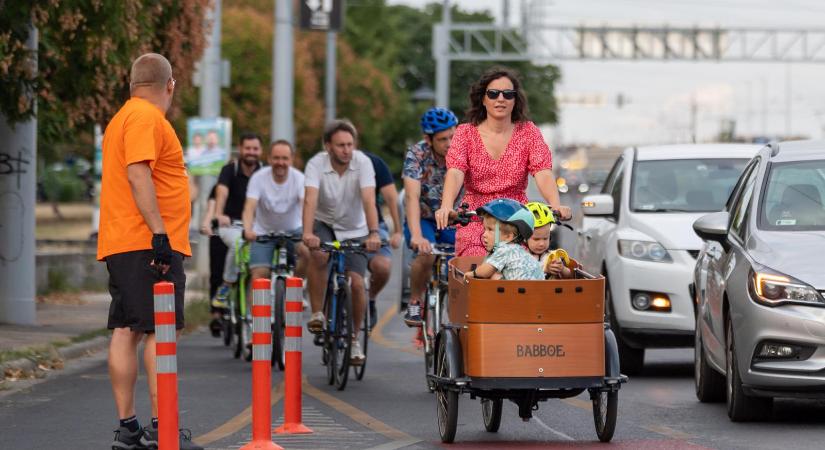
(330, 76)
(441, 34)
(505, 13)
(210, 107)
(18, 161)
(283, 83)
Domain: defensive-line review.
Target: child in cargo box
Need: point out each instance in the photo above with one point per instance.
(553, 262)
(507, 224)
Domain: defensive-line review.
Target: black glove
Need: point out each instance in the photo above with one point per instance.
(161, 250)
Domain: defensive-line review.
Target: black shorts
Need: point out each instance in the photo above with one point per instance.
(131, 281)
(353, 262)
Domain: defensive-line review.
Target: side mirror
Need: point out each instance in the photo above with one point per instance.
(713, 227)
(598, 205)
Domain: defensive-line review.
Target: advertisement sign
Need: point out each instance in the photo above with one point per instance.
(322, 15)
(208, 144)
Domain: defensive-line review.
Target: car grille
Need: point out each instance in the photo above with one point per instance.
(694, 253)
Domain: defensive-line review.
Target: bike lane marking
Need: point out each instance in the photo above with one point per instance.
(378, 337)
(238, 422)
(397, 436)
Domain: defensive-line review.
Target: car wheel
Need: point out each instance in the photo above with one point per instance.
(631, 360)
(710, 384)
(741, 407)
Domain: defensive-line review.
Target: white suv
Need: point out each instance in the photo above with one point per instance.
(638, 234)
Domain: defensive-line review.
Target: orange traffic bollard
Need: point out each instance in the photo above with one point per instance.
(292, 347)
(166, 360)
(261, 367)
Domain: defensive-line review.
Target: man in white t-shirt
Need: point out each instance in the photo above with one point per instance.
(339, 204)
(274, 202)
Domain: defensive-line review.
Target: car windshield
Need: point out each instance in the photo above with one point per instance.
(792, 200)
(683, 185)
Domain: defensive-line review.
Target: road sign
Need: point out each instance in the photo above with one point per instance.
(322, 15)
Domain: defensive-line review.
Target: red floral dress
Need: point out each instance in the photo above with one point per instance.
(486, 179)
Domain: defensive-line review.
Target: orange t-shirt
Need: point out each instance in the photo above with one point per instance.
(140, 132)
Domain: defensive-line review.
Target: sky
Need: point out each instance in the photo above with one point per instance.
(659, 94)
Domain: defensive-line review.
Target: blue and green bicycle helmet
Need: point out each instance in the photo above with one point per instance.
(437, 119)
(512, 212)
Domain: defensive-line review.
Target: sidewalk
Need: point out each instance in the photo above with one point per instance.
(67, 327)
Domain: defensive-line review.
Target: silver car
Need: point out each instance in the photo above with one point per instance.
(759, 285)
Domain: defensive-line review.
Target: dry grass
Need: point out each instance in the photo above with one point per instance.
(75, 224)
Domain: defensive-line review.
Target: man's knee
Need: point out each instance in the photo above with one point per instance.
(319, 258)
(356, 281)
(380, 265)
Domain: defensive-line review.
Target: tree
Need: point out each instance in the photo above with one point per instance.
(399, 39)
(85, 52)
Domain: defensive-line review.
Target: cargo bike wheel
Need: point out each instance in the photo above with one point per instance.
(491, 413)
(446, 367)
(605, 410)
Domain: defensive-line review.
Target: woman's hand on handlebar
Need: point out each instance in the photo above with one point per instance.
(443, 216)
(312, 241)
(421, 245)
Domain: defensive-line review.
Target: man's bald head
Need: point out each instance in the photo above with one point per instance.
(150, 70)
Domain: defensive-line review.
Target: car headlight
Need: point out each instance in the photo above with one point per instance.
(774, 289)
(643, 250)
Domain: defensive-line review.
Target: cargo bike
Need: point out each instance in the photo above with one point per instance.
(524, 341)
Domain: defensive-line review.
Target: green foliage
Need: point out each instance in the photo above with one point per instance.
(397, 39)
(63, 186)
(84, 55)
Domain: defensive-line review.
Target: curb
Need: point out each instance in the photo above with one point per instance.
(66, 353)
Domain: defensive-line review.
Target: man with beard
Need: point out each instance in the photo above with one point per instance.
(230, 195)
(339, 204)
(274, 201)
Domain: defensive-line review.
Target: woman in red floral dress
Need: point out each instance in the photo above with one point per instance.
(493, 154)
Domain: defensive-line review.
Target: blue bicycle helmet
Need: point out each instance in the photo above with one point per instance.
(512, 212)
(437, 119)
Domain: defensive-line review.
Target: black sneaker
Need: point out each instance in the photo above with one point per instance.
(185, 442)
(215, 327)
(413, 316)
(373, 315)
(128, 440)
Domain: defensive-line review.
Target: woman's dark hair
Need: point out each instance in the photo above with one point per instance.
(476, 113)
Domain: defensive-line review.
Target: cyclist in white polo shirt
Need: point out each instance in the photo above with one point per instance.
(339, 204)
(274, 201)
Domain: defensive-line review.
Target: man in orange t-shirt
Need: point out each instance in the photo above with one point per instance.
(144, 234)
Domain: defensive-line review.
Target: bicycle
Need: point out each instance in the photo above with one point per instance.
(238, 319)
(283, 265)
(336, 337)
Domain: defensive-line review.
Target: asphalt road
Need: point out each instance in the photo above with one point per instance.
(391, 407)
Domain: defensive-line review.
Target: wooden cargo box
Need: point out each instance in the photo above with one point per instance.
(528, 328)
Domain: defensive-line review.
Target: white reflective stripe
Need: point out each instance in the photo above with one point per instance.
(167, 364)
(294, 320)
(261, 352)
(261, 325)
(165, 333)
(261, 297)
(165, 303)
(294, 294)
(292, 344)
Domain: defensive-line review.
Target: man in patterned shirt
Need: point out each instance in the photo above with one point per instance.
(424, 169)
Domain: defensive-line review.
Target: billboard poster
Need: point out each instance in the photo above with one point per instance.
(208, 144)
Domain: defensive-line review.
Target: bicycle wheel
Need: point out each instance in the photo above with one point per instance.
(342, 337)
(364, 337)
(430, 329)
(328, 355)
(278, 323)
(237, 324)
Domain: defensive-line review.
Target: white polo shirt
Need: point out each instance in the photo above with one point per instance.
(339, 196)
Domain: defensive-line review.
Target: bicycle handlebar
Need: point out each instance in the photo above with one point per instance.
(346, 246)
(279, 236)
